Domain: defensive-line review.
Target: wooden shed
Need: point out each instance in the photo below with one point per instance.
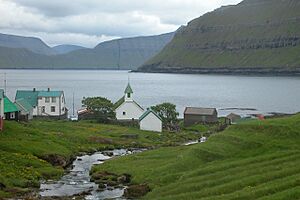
(193, 115)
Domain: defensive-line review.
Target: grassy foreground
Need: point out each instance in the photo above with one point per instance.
(39, 150)
(252, 160)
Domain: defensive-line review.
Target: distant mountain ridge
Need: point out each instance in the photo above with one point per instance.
(66, 48)
(33, 44)
(127, 53)
(259, 36)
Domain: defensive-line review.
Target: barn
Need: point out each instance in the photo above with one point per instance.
(193, 115)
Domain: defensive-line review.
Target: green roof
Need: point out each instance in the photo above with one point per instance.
(50, 93)
(9, 106)
(147, 113)
(29, 95)
(32, 96)
(23, 105)
(128, 89)
(1, 93)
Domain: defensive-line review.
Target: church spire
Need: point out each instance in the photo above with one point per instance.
(128, 93)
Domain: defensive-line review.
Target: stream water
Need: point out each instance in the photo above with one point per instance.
(77, 181)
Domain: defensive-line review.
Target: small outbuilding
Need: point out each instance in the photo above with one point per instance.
(26, 110)
(150, 121)
(193, 115)
(233, 118)
(11, 111)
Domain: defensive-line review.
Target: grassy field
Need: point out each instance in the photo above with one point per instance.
(251, 160)
(39, 150)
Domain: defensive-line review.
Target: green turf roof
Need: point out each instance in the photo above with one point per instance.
(147, 113)
(9, 106)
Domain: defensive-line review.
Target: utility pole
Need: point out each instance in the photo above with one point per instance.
(5, 83)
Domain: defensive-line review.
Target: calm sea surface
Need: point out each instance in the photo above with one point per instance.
(265, 94)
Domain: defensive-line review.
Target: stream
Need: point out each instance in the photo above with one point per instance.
(77, 180)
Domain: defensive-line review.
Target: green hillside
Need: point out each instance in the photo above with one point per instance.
(39, 150)
(257, 35)
(251, 160)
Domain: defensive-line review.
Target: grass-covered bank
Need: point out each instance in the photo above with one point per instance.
(40, 149)
(251, 160)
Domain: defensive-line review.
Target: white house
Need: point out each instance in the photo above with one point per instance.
(126, 108)
(45, 103)
(150, 121)
(1, 108)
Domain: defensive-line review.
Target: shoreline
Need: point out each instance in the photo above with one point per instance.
(272, 72)
(225, 71)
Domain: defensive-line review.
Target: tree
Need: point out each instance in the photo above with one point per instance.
(168, 114)
(101, 107)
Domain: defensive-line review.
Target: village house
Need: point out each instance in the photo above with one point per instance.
(11, 111)
(1, 109)
(126, 108)
(194, 115)
(45, 103)
(150, 121)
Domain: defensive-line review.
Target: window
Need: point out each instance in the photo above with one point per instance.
(52, 108)
(12, 116)
(43, 109)
(53, 99)
(128, 95)
(47, 99)
(124, 113)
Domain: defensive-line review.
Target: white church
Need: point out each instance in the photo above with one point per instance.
(129, 110)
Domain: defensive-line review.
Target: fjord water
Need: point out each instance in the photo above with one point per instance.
(251, 94)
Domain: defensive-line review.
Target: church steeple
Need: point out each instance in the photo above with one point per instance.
(128, 93)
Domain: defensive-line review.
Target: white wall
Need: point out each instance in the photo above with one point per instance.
(2, 107)
(151, 123)
(59, 105)
(132, 111)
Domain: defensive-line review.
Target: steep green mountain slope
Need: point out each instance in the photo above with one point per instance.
(127, 53)
(252, 160)
(255, 35)
(30, 43)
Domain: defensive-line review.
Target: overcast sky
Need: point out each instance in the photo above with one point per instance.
(88, 22)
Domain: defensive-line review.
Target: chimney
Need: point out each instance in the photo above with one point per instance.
(48, 89)
(34, 89)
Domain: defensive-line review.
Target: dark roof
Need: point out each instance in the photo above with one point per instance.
(200, 111)
(128, 89)
(119, 102)
(233, 115)
(9, 106)
(147, 113)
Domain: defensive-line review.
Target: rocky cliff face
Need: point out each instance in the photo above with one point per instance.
(254, 34)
